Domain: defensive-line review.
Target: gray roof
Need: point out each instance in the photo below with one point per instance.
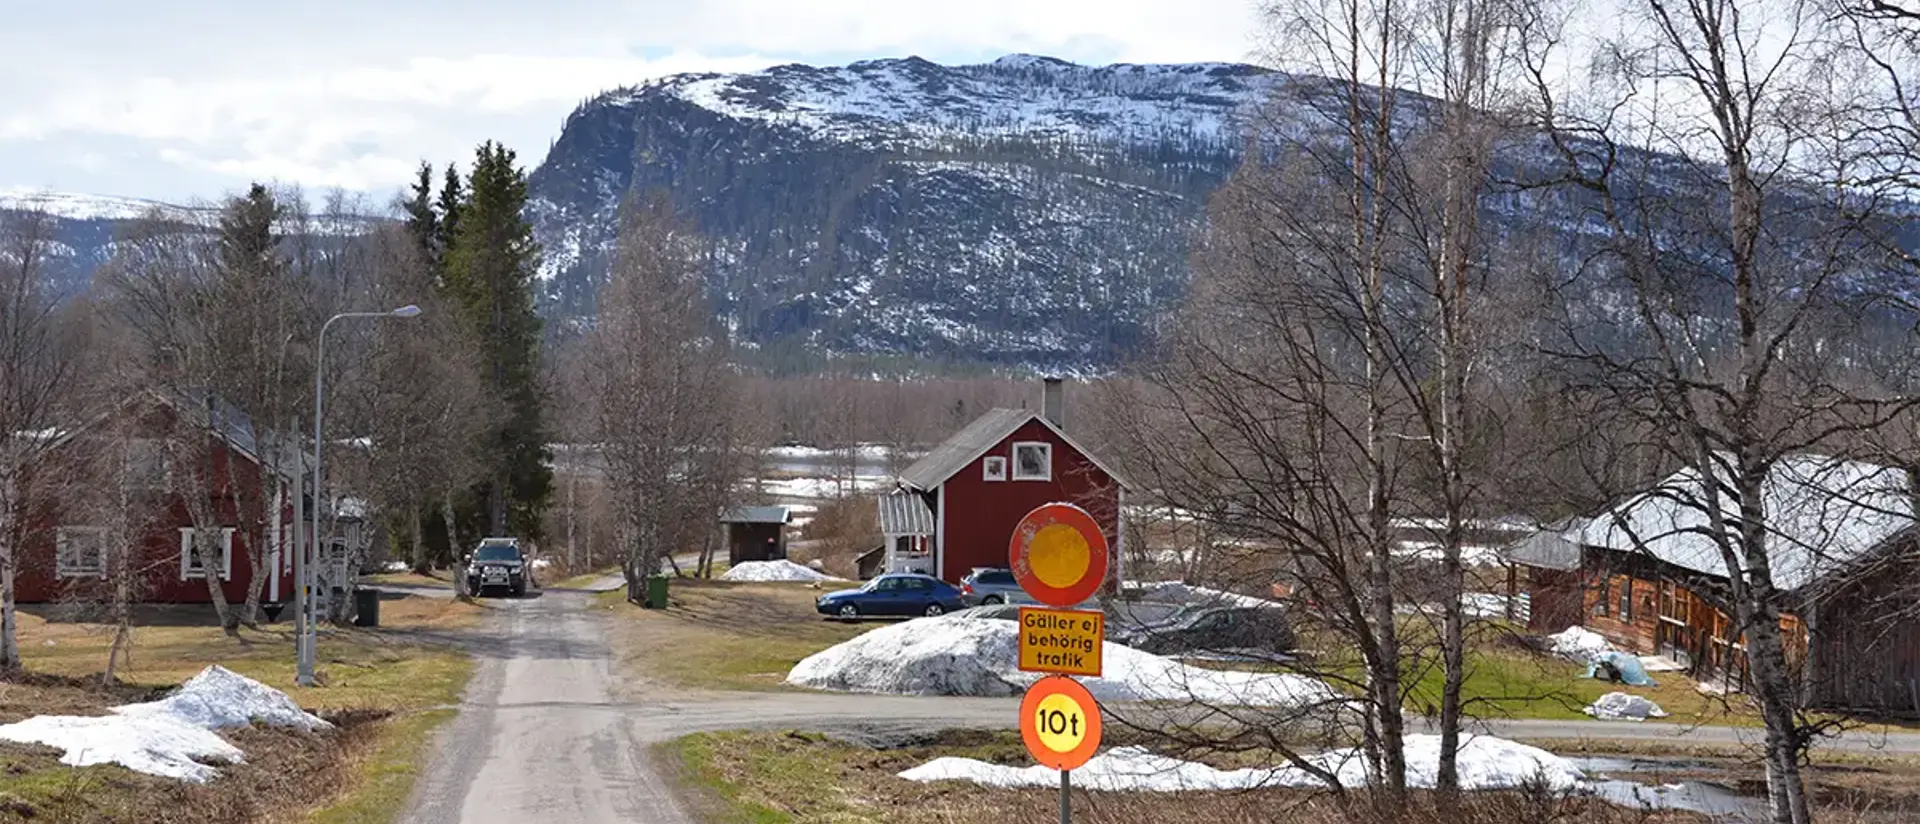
(953, 455)
(967, 445)
(757, 515)
(1822, 513)
(904, 512)
(1546, 549)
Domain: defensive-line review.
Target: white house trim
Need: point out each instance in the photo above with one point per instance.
(97, 569)
(186, 554)
(1046, 449)
(940, 534)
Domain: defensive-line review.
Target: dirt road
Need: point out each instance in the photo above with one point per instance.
(538, 737)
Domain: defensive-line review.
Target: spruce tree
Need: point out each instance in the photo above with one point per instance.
(423, 223)
(489, 275)
(451, 199)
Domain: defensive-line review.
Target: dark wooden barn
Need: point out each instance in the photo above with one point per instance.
(756, 533)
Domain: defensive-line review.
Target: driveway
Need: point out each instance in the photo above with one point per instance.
(539, 737)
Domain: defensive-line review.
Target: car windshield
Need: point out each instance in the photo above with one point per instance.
(496, 552)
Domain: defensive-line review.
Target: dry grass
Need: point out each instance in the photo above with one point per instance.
(772, 778)
(721, 635)
(384, 687)
(439, 578)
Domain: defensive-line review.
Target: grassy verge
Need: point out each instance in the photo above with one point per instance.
(774, 778)
(721, 635)
(385, 689)
(583, 579)
(439, 578)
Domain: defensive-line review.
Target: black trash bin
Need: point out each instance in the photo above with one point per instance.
(366, 607)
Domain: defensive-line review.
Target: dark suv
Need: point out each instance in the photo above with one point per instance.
(498, 563)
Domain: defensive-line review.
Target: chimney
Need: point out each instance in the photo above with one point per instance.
(1053, 402)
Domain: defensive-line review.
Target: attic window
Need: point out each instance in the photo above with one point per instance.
(995, 467)
(1033, 461)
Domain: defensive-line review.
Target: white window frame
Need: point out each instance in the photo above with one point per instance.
(186, 554)
(63, 569)
(994, 468)
(1046, 450)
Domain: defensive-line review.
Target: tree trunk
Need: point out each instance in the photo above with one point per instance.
(455, 545)
(1773, 685)
(209, 567)
(9, 631)
(417, 551)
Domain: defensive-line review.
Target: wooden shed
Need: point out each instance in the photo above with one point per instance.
(756, 533)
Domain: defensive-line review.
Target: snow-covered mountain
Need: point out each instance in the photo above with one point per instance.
(1026, 210)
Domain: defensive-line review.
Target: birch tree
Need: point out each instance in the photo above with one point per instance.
(1735, 310)
(38, 358)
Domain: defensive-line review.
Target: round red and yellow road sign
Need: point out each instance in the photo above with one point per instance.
(1058, 555)
(1060, 722)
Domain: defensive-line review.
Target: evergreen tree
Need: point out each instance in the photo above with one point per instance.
(451, 199)
(489, 275)
(423, 223)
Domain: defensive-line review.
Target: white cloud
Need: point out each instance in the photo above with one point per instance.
(354, 93)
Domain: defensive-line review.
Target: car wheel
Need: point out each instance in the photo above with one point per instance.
(520, 591)
(849, 612)
(991, 600)
(935, 610)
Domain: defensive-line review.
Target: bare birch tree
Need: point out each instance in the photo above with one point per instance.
(38, 358)
(1735, 312)
(663, 391)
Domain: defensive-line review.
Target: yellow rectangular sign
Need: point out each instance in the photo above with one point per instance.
(1066, 641)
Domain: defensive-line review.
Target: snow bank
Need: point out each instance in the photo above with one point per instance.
(219, 698)
(172, 737)
(1485, 763)
(781, 570)
(1183, 593)
(160, 745)
(1579, 644)
(1620, 706)
(962, 654)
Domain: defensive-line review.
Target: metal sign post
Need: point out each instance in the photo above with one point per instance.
(1066, 803)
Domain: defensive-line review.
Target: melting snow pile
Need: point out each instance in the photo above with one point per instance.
(1485, 763)
(1620, 706)
(781, 570)
(967, 655)
(1183, 593)
(171, 737)
(1579, 644)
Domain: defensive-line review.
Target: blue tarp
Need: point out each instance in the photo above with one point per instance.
(1626, 668)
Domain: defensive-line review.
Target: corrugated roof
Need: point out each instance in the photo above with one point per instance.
(904, 512)
(757, 515)
(956, 452)
(1822, 513)
(1546, 549)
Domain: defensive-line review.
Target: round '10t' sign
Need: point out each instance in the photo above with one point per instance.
(1060, 723)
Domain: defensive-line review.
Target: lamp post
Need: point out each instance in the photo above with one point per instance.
(303, 567)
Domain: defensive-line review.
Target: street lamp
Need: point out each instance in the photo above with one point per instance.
(303, 568)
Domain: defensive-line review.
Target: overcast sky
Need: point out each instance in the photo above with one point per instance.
(193, 98)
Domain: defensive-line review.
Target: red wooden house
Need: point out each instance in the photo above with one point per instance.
(956, 508)
(121, 477)
(1840, 543)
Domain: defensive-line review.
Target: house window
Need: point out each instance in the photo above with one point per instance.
(190, 564)
(1600, 604)
(148, 466)
(1626, 599)
(1033, 461)
(82, 552)
(996, 468)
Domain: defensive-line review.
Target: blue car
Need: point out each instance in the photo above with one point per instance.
(898, 594)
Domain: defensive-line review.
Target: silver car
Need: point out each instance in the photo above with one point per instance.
(985, 586)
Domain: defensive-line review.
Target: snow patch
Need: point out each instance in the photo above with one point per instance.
(172, 737)
(962, 654)
(1485, 763)
(781, 570)
(1620, 706)
(1579, 644)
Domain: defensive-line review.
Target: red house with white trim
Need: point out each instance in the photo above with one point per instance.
(118, 477)
(957, 507)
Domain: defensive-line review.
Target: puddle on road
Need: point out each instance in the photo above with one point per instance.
(1639, 783)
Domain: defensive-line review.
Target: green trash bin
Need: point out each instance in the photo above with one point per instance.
(656, 592)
